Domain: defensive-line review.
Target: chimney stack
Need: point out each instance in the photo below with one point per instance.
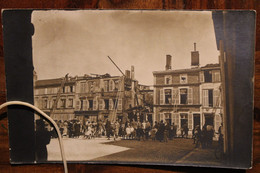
(132, 72)
(127, 74)
(168, 62)
(195, 61)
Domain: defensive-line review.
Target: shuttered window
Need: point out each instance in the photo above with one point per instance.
(101, 104)
(85, 105)
(111, 85)
(120, 104)
(205, 98)
(95, 104)
(216, 100)
(202, 76)
(77, 105)
(161, 97)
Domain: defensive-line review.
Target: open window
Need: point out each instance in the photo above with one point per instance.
(184, 96)
(208, 76)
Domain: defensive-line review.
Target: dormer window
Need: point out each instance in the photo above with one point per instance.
(168, 80)
(183, 79)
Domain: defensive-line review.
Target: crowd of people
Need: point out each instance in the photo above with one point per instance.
(203, 137)
(133, 130)
(138, 130)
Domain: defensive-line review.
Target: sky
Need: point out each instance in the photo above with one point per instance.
(78, 42)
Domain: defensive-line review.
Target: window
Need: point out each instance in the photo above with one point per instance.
(208, 76)
(207, 96)
(53, 103)
(168, 118)
(63, 103)
(116, 84)
(90, 104)
(120, 106)
(168, 96)
(184, 96)
(92, 86)
(106, 104)
(183, 78)
(101, 104)
(216, 76)
(45, 103)
(95, 104)
(70, 103)
(49, 90)
(168, 80)
(71, 89)
(111, 85)
(63, 89)
(82, 87)
(106, 85)
(184, 120)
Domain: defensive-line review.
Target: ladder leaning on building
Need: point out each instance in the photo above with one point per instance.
(54, 106)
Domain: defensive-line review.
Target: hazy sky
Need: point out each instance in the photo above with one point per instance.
(78, 42)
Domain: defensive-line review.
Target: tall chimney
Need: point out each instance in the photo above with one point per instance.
(168, 62)
(127, 74)
(132, 72)
(195, 61)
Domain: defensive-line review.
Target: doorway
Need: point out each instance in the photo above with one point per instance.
(196, 120)
(209, 119)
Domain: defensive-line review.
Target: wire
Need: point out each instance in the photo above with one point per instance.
(47, 117)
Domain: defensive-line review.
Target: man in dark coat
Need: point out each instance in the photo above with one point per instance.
(108, 129)
(42, 138)
(161, 131)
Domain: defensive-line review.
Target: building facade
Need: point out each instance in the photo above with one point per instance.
(188, 97)
(91, 97)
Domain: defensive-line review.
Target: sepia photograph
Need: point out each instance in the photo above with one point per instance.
(144, 86)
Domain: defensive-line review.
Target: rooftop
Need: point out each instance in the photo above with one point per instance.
(188, 70)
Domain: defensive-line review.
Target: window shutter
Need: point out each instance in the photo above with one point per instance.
(111, 85)
(95, 104)
(102, 84)
(86, 87)
(101, 104)
(201, 76)
(205, 101)
(161, 97)
(119, 104)
(213, 76)
(190, 121)
(111, 104)
(190, 96)
(215, 96)
(78, 105)
(85, 104)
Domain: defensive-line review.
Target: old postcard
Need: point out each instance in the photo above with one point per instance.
(134, 86)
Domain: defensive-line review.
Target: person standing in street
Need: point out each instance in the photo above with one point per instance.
(42, 138)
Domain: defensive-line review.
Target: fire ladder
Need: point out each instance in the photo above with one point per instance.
(54, 106)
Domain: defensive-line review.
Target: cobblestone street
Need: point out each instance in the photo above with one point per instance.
(178, 151)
